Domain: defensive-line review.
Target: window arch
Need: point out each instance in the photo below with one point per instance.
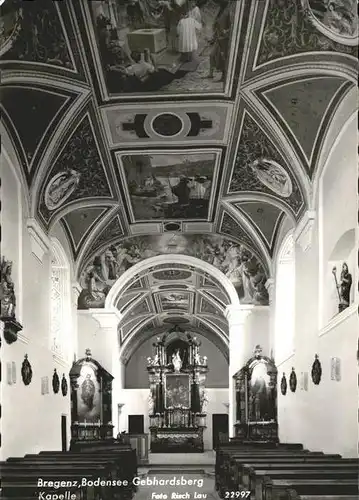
(60, 302)
(285, 300)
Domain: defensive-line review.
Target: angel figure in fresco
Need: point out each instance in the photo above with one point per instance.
(88, 391)
(94, 286)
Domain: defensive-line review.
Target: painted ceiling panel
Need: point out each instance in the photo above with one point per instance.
(80, 221)
(126, 299)
(40, 108)
(260, 167)
(264, 216)
(78, 172)
(288, 31)
(112, 230)
(36, 34)
(302, 105)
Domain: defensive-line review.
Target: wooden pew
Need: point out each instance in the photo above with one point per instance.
(243, 470)
(126, 459)
(226, 468)
(257, 476)
(116, 463)
(277, 489)
(18, 481)
(293, 495)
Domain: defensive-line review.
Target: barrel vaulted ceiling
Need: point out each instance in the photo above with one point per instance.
(104, 144)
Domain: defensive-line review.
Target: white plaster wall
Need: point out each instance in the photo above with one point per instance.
(30, 421)
(135, 402)
(337, 215)
(325, 417)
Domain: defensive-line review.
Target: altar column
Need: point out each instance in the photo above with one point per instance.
(109, 354)
(239, 351)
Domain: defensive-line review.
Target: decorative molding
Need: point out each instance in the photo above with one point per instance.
(106, 318)
(270, 286)
(22, 338)
(338, 319)
(237, 315)
(39, 240)
(304, 231)
(60, 360)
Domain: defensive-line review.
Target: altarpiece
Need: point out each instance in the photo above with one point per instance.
(256, 399)
(177, 401)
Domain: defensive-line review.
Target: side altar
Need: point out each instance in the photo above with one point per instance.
(91, 403)
(177, 400)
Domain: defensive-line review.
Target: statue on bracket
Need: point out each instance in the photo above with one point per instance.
(8, 303)
(343, 286)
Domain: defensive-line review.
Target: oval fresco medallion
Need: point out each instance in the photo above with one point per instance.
(10, 26)
(273, 176)
(171, 274)
(176, 320)
(60, 188)
(336, 19)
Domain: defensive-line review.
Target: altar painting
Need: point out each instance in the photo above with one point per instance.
(169, 186)
(88, 396)
(177, 391)
(166, 46)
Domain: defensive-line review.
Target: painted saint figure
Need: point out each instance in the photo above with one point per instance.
(88, 391)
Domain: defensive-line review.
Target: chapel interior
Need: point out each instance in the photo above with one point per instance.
(179, 264)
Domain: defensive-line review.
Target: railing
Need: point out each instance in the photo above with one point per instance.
(178, 418)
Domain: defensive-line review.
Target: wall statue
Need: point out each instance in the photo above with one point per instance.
(177, 361)
(7, 290)
(343, 286)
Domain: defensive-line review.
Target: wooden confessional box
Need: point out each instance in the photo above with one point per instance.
(256, 401)
(91, 403)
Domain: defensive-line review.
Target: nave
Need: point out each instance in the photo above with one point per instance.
(179, 260)
(235, 470)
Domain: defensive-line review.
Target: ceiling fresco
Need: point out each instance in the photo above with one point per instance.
(169, 186)
(164, 47)
(236, 261)
(147, 141)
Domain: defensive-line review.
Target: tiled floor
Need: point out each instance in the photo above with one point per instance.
(206, 458)
(178, 476)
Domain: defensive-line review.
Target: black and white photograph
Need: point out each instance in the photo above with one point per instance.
(179, 250)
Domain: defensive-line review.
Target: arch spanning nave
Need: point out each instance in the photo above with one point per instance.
(179, 230)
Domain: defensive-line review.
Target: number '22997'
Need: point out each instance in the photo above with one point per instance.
(237, 494)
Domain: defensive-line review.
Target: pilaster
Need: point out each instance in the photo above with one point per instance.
(39, 240)
(304, 231)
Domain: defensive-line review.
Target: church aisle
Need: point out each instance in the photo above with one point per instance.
(179, 484)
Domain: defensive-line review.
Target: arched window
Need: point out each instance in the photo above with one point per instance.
(285, 300)
(60, 305)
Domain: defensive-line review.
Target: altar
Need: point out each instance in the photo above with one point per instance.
(177, 399)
